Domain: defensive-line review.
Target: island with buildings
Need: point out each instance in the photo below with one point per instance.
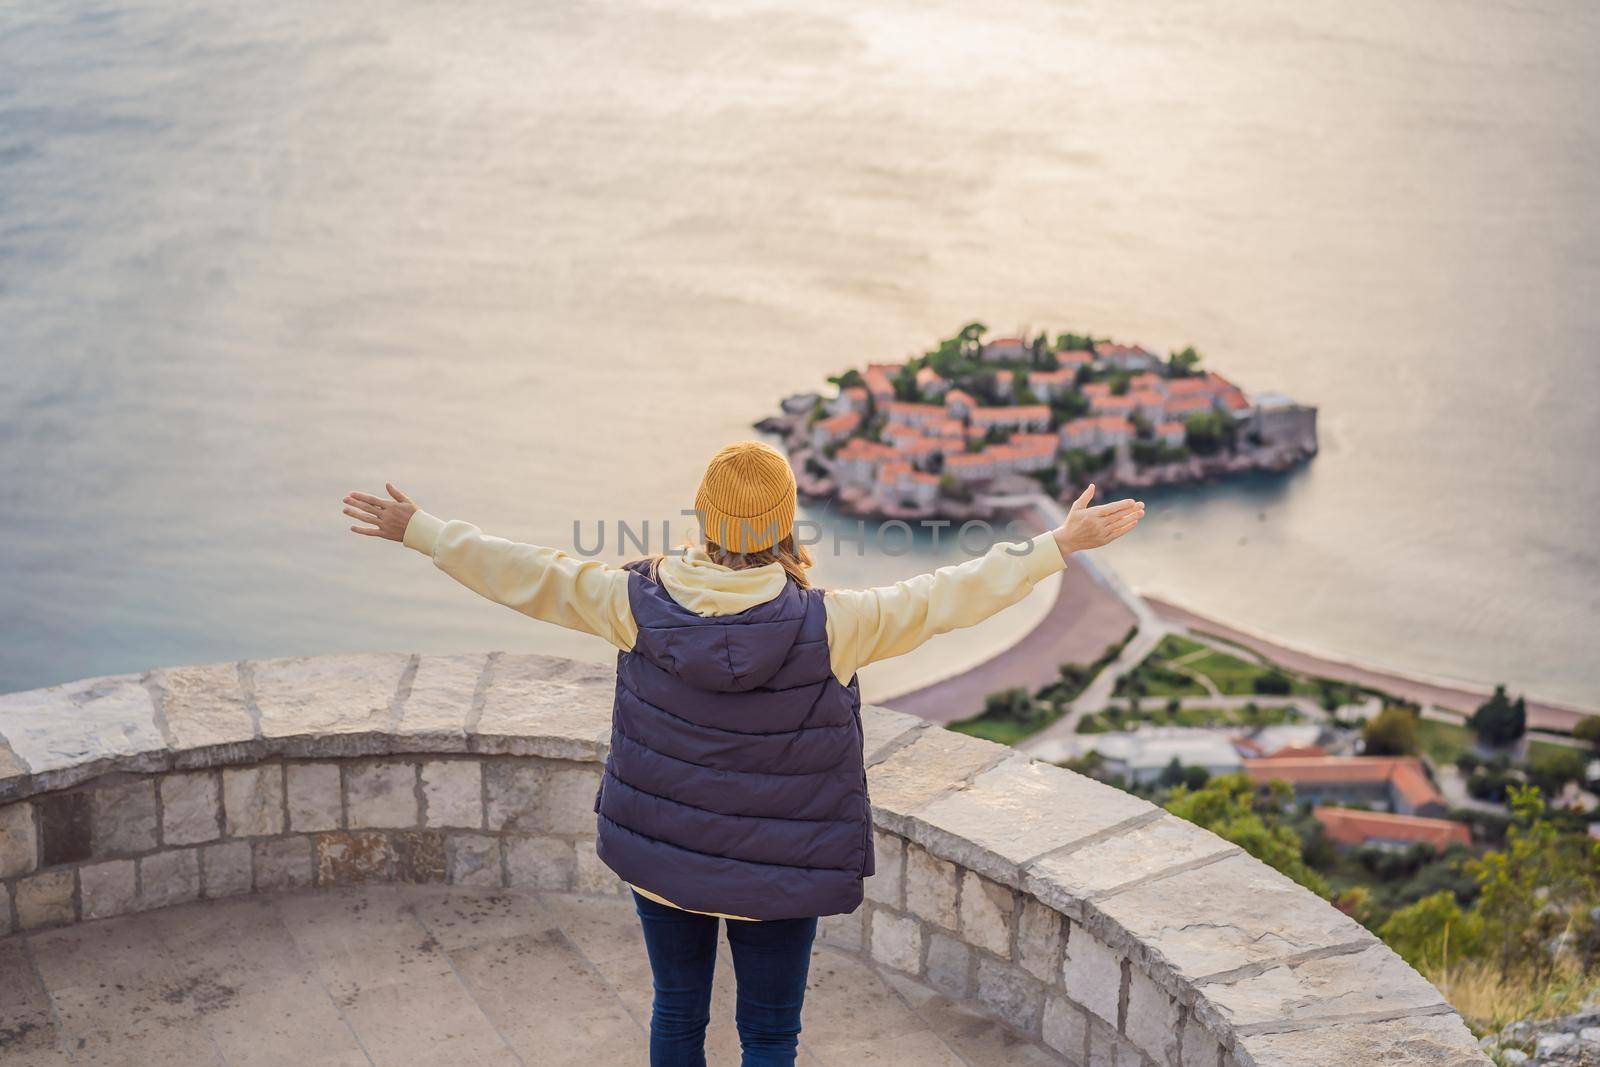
(935, 434)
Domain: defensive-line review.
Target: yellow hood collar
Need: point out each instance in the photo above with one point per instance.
(708, 588)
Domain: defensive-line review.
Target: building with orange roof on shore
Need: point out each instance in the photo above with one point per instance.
(930, 383)
(1354, 828)
(850, 398)
(910, 414)
(1046, 384)
(825, 432)
(1112, 405)
(1178, 408)
(1004, 348)
(1020, 417)
(880, 381)
(1073, 358)
(1147, 404)
(1398, 781)
(969, 466)
(857, 462)
(1171, 433)
(959, 403)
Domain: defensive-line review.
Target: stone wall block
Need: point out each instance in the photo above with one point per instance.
(227, 869)
(123, 817)
(314, 801)
(452, 793)
(844, 931)
(44, 899)
(515, 792)
(543, 863)
(569, 800)
(1154, 1019)
(109, 888)
(191, 807)
(591, 875)
(1065, 1028)
(349, 857)
(931, 886)
(1009, 993)
(473, 859)
(1091, 974)
(252, 800)
(64, 828)
(419, 856)
(986, 910)
(283, 863)
(896, 941)
(19, 841)
(171, 877)
(381, 794)
(886, 884)
(1039, 930)
(949, 965)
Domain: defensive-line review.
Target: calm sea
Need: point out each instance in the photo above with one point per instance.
(535, 262)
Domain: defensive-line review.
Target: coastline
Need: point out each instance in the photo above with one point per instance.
(1094, 607)
(1449, 693)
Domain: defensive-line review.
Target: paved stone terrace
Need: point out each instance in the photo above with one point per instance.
(418, 975)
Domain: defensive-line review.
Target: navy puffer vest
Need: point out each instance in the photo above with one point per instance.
(735, 779)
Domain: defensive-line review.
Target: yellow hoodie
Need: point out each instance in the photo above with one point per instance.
(863, 625)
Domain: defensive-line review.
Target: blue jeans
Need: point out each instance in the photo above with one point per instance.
(770, 962)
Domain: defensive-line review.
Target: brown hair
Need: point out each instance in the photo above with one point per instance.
(794, 558)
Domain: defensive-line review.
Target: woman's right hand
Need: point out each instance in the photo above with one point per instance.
(1090, 527)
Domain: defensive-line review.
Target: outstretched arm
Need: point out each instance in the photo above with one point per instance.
(543, 583)
(867, 625)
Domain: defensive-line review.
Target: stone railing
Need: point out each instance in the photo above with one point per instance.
(1078, 914)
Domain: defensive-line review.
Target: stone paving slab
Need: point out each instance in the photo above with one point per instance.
(423, 975)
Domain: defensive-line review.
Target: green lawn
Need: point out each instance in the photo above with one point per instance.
(1443, 741)
(1233, 676)
(1006, 730)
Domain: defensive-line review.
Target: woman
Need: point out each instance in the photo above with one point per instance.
(734, 789)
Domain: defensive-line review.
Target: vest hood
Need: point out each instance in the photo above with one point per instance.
(716, 628)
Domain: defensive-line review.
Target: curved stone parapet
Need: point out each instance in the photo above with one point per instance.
(1083, 916)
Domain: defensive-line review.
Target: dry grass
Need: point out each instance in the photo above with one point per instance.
(1487, 1001)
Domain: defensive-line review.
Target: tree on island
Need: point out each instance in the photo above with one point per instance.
(1074, 342)
(1393, 732)
(1499, 722)
(849, 378)
(1209, 432)
(1183, 364)
(1588, 731)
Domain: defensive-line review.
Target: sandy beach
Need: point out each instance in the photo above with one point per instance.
(1085, 618)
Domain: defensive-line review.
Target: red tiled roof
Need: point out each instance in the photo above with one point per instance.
(1020, 413)
(911, 408)
(1075, 355)
(1191, 386)
(1348, 826)
(843, 422)
(1403, 773)
(1187, 405)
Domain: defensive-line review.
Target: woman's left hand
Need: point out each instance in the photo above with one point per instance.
(388, 517)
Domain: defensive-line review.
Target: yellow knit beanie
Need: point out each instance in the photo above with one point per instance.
(746, 497)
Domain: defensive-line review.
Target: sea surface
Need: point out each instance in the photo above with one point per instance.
(535, 262)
